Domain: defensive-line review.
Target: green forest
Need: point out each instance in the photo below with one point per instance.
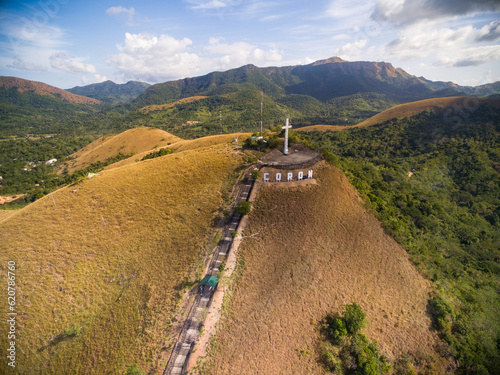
(433, 181)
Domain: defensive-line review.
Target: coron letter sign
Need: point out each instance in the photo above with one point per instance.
(289, 176)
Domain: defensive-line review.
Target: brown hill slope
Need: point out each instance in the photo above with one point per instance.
(185, 145)
(135, 141)
(410, 109)
(307, 252)
(41, 88)
(161, 107)
(457, 103)
(100, 264)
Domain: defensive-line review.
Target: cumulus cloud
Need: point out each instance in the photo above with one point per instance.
(232, 55)
(150, 58)
(68, 63)
(160, 58)
(129, 13)
(352, 50)
(473, 56)
(23, 65)
(410, 11)
(449, 47)
(490, 32)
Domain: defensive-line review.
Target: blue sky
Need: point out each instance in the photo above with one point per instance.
(69, 43)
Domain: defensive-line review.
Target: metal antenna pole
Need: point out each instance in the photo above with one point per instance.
(261, 105)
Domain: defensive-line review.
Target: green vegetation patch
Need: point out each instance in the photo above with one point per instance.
(345, 349)
(157, 154)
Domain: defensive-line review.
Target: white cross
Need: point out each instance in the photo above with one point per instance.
(286, 127)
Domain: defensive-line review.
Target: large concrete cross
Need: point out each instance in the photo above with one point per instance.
(286, 127)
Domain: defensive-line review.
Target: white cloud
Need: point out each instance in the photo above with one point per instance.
(473, 56)
(211, 4)
(446, 46)
(351, 51)
(68, 63)
(341, 37)
(96, 78)
(23, 65)
(490, 32)
(129, 13)
(160, 58)
(241, 9)
(25, 33)
(352, 9)
(226, 56)
(150, 58)
(271, 18)
(411, 11)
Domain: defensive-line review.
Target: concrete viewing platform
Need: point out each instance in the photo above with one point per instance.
(298, 157)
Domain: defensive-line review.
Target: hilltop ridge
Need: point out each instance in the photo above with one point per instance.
(40, 88)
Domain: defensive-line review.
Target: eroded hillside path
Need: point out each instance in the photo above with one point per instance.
(183, 348)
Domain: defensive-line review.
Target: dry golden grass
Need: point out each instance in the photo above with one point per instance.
(410, 109)
(135, 141)
(185, 145)
(322, 128)
(308, 252)
(405, 110)
(160, 107)
(108, 258)
(208, 141)
(5, 214)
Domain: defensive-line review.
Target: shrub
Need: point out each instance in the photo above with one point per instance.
(73, 330)
(156, 154)
(134, 370)
(354, 318)
(243, 208)
(347, 348)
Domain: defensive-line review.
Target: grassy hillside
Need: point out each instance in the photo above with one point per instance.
(451, 107)
(151, 108)
(410, 109)
(433, 180)
(100, 264)
(132, 141)
(8, 84)
(308, 252)
(185, 145)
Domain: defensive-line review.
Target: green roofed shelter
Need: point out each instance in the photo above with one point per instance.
(209, 280)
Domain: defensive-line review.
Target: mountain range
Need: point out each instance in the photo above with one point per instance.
(110, 92)
(323, 80)
(331, 91)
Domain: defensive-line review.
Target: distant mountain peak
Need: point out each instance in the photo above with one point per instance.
(40, 88)
(330, 60)
(111, 92)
